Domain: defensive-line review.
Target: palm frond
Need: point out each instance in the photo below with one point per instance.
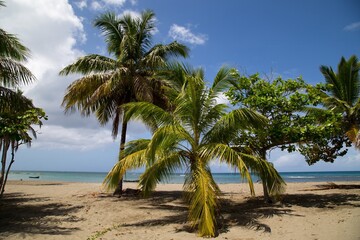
(227, 127)
(202, 194)
(164, 165)
(143, 88)
(11, 47)
(212, 116)
(146, 28)
(90, 64)
(223, 80)
(13, 101)
(79, 94)
(134, 160)
(168, 137)
(152, 115)
(174, 75)
(348, 73)
(109, 25)
(13, 73)
(160, 54)
(261, 167)
(225, 153)
(345, 84)
(135, 146)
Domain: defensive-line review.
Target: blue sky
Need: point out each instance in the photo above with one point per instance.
(287, 38)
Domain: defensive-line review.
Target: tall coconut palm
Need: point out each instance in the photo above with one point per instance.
(12, 54)
(12, 72)
(126, 76)
(344, 94)
(189, 137)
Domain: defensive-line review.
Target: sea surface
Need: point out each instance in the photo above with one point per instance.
(98, 177)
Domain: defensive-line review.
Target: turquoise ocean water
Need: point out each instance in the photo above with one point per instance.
(96, 177)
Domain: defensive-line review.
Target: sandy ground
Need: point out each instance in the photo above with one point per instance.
(49, 210)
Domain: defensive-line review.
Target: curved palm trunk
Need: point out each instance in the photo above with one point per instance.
(119, 188)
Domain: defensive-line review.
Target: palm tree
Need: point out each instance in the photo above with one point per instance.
(126, 76)
(12, 72)
(344, 94)
(12, 54)
(189, 137)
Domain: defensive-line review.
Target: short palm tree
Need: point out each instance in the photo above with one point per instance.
(344, 94)
(126, 76)
(189, 137)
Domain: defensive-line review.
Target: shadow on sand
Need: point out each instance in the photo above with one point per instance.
(29, 215)
(162, 200)
(24, 214)
(247, 213)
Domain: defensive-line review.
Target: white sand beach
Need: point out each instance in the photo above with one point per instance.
(50, 210)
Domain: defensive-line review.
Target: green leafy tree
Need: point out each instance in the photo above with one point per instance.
(16, 129)
(190, 137)
(343, 95)
(283, 103)
(126, 76)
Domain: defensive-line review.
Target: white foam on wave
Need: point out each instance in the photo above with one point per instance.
(301, 177)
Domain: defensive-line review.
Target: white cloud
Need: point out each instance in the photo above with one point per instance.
(115, 2)
(95, 5)
(352, 27)
(100, 4)
(222, 99)
(81, 4)
(51, 30)
(289, 161)
(133, 14)
(185, 35)
(59, 137)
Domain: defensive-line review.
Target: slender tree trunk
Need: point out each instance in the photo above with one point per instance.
(119, 188)
(8, 170)
(267, 198)
(5, 147)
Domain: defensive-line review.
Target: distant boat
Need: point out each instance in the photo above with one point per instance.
(34, 177)
(131, 180)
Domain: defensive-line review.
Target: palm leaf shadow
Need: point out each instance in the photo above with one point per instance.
(25, 214)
